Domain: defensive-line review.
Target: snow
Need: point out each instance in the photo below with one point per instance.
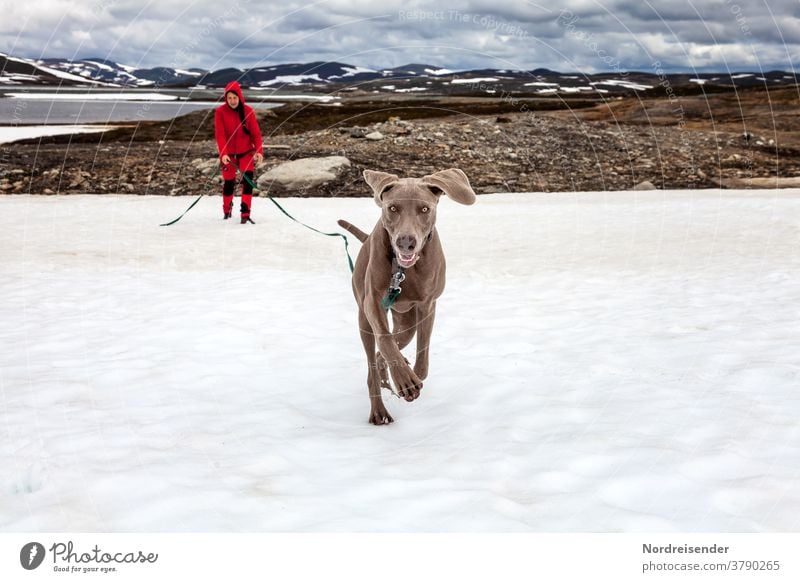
(292, 80)
(621, 361)
(572, 89)
(541, 84)
(101, 66)
(624, 84)
(281, 97)
(699, 81)
(10, 134)
(61, 74)
(742, 75)
(474, 80)
(94, 95)
(17, 78)
(352, 71)
(438, 72)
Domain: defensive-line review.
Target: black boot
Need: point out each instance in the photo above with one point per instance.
(227, 216)
(245, 209)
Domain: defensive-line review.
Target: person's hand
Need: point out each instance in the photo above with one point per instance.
(259, 158)
(226, 159)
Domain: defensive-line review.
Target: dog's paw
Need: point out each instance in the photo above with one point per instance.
(406, 382)
(379, 415)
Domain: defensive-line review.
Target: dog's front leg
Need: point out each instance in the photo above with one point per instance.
(405, 380)
(378, 413)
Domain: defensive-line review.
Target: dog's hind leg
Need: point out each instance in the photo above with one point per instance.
(425, 317)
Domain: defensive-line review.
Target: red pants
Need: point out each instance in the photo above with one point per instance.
(245, 164)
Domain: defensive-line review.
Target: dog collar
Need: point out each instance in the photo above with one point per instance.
(398, 276)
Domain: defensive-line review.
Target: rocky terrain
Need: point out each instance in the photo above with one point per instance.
(746, 139)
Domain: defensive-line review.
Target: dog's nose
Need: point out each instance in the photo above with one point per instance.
(406, 243)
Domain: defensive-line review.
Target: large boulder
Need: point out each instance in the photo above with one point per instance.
(646, 185)
(304, 173)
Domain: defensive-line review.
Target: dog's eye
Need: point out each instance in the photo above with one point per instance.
(424, 209)
(393, 208)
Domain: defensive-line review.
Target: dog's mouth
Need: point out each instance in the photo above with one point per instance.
(406, 260)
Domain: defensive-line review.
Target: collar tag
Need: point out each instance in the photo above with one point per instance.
(398, 276)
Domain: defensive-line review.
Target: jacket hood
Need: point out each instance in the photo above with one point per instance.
(236, 88)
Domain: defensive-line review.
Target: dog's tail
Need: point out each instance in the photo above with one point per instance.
(354, 230)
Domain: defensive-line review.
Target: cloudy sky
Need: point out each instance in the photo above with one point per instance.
(570, 35)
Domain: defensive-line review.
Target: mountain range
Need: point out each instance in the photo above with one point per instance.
(332, 76)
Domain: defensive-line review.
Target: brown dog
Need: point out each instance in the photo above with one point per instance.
(401, 268)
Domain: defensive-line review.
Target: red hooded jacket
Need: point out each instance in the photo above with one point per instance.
(231, 137)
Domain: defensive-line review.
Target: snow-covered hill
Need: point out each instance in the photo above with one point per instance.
(413, 77)
(94, 72)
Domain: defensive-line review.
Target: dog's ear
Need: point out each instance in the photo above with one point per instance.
(379, 182)
(452, 182)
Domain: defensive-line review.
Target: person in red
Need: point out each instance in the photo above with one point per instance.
(239, 143)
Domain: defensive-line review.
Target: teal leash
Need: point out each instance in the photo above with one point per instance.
(184, 214)
(282, 209)
(209, 183)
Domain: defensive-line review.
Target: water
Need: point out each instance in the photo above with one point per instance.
(14, 111)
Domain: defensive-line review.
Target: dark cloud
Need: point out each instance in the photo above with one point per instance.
(578, 35)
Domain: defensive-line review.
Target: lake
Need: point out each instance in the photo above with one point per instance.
(68, 107)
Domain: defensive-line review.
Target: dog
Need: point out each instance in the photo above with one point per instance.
(401, 268)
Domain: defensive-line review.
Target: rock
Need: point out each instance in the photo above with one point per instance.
(646, 185)
(206, 165)
(374, 136)
(358, 132)
(304, 173)
(503, 119)
(765, 182)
